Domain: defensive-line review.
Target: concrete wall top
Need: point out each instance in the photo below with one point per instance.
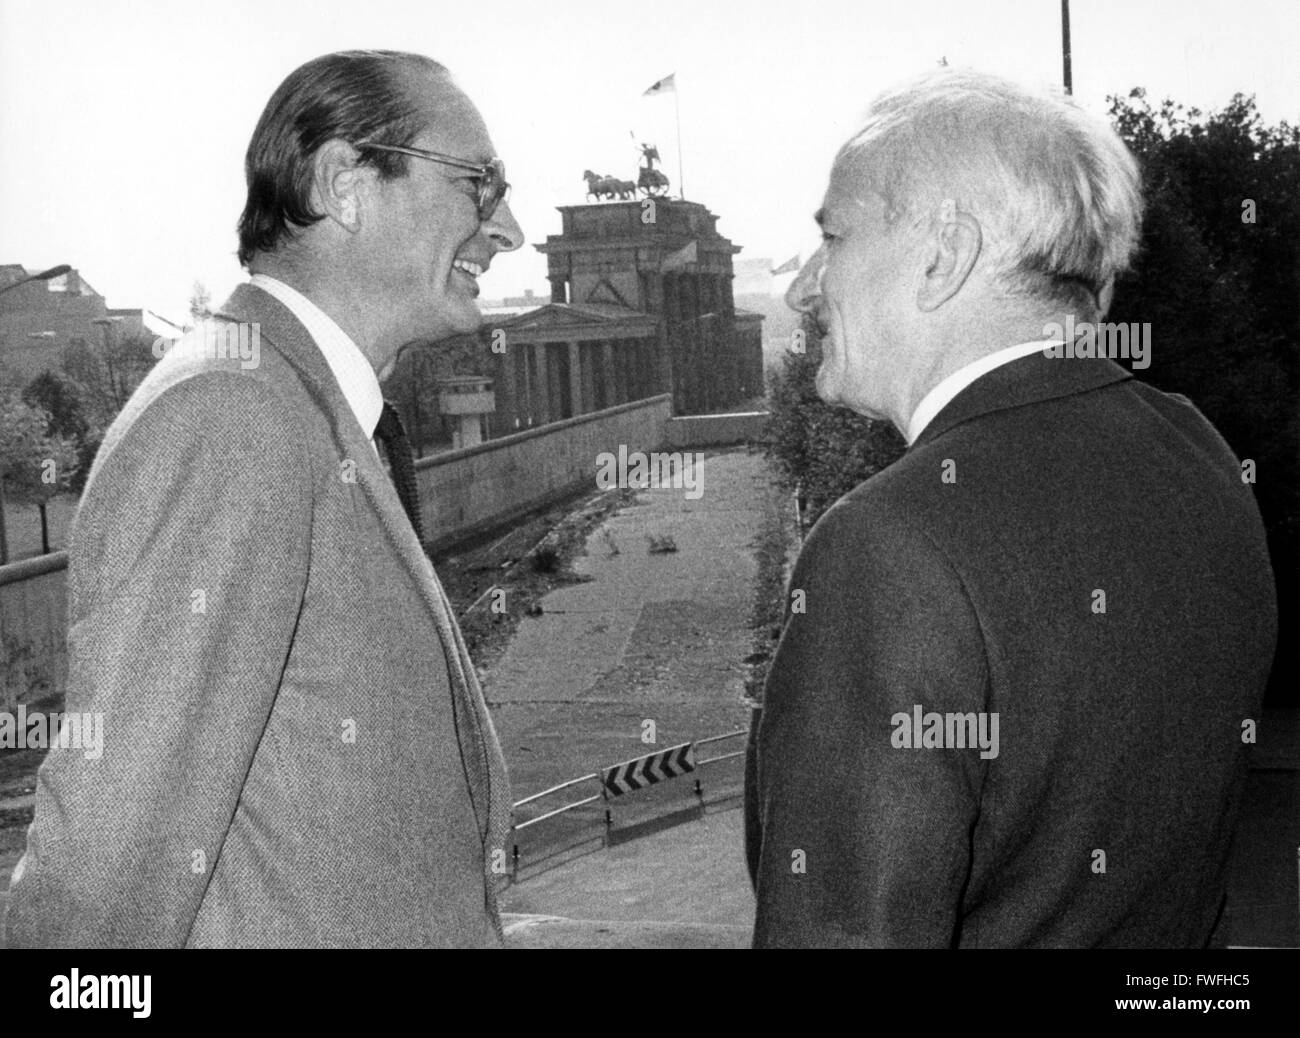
(504, 442)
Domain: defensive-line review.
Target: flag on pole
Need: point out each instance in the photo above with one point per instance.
(787, 266)
(688, 253)
(667, 85)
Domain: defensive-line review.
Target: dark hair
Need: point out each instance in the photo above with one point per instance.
(352, 95)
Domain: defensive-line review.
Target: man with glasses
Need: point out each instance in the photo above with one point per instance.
(296, 751)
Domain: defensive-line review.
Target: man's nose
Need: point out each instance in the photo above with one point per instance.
(806, 288)
(503, 230)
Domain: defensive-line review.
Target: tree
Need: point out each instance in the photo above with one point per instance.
(34, 466)
(819, 451)
(65, 400)
(200, 302)
(62, 398)
(1216, 279)
(108, 374)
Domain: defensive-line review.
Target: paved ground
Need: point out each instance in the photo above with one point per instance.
(652, 636)
(684, 887)
(653, 644)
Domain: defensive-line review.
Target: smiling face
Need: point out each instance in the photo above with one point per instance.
(425, 244)
(859, 286)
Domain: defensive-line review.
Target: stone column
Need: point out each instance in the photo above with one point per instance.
(651, 376)
(507, 418)
(527, 410)
(587, 357)
(689, 379)
(623, 363)
(609, 375)
(708, 361)
(542, 396)
(554, 382)
(668, 342)
(722, 361)
(575, 379)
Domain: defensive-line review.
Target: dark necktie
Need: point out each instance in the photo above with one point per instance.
(390, 433)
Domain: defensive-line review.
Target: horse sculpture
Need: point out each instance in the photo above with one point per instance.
(599, 187)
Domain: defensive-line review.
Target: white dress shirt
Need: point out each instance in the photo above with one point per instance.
(941, 395)
(351, 370)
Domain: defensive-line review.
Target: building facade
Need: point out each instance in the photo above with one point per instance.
(41, 319)
(640, 304)
(664, 257)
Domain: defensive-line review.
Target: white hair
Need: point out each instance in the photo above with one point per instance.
(1057, 194)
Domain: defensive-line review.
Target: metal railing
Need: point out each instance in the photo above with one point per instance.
(720, 738)
(603, 793)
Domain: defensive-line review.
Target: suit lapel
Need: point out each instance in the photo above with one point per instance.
(291, 339)
(480, 750)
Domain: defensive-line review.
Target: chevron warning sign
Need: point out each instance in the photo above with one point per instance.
(647, 770)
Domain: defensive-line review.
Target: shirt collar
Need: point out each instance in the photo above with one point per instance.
(942, 394)
(355, 376)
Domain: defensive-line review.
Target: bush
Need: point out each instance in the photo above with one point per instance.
(546, 559)
(1216, 279)
(819, 451)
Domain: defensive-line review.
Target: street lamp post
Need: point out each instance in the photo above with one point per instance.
(1067, 59)
(44, 275)
(107, 323)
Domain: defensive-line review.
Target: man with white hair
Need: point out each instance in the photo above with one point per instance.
(1007, 707)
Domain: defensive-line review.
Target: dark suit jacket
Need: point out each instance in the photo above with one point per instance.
(1120, 733)
(296, 751)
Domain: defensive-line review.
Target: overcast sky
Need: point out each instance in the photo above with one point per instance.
(123, 123)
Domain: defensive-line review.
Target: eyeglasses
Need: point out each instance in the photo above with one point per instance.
(492, 186)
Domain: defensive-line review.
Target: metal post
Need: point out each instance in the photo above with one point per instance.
(1065, 46)
(681, 180)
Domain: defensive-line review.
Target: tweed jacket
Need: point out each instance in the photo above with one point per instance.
(296, 749)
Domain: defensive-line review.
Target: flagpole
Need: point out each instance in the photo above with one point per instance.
(677, 108)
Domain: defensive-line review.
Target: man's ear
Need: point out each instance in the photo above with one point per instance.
(951, 252)
(338, 184)
(1104, 299)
